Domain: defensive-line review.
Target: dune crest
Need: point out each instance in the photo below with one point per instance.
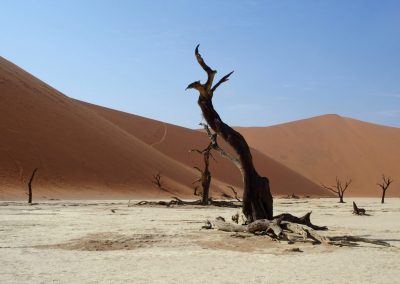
(326, 146)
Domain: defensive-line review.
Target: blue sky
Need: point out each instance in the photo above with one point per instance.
(292, 59)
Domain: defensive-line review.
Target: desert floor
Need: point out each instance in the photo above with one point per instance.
(85, 242)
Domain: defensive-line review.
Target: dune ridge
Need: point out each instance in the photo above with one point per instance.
(86, 151)
(323, 147)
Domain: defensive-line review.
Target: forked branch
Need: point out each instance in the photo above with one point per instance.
(339, 188)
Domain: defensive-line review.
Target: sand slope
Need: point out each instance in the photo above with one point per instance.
(79, 153)
(85, 151)
(323, 147)
(176, 142)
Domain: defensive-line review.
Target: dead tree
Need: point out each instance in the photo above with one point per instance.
(205, 175)
(257, 198)
(30, 186)
(386, 181)
(157, 180)
(158, 183)
(339, 189)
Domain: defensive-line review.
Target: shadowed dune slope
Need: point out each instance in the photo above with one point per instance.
(327, 146)
(177, 142)
(79, 153)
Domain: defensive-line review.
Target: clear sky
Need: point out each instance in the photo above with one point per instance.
(292, 59)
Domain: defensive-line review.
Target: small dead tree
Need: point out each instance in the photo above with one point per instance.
(30, 186)
(339, 188)
(386, 181)
(158, 182)
(205, 175)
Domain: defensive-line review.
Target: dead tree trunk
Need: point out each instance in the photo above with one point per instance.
(339, 189)
(384, 186)
(205, 178)
(257, 198)
(30, 186)
(358, 211)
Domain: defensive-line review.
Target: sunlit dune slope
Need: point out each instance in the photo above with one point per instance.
(327, 146)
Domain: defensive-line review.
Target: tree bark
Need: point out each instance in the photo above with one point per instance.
(205, 177)
(30, 186)
(257, 198)
(383, 196)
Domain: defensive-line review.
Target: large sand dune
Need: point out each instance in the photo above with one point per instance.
(79, 153)
(327, 146)
(176, 142)
(84, 151)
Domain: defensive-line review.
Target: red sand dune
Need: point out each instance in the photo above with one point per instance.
(85, 151)
(176, 142)
(327, 146)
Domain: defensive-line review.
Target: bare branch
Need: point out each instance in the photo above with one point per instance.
(234, 192)
(196, 150)
(346, 185)
(223, 79)
(330, 188)
(222, 152)
(210, 73)
(198, 169)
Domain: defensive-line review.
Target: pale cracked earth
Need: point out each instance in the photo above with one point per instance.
(109, 242)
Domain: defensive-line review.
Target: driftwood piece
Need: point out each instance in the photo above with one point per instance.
(177, 201)
(256, 226)
(358, 211)
(304, 220)
(305, 233)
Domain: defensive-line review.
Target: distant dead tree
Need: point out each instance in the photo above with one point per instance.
(158, 182)
(30, 186)
(339, 188)
(386, 181)
(205, 175)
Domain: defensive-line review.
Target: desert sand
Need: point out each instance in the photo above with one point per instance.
(321, 148)
(85, 151)
(85, 242)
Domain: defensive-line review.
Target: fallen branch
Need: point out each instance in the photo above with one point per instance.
(179, 202)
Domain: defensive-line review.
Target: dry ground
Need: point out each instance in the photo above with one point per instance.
(86, 242)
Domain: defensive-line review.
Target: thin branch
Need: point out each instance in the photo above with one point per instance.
(330, 188)
(223, 79)
(197, 168)
(346, 185)
(222, 152)
(386, 182)
(234, 192)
